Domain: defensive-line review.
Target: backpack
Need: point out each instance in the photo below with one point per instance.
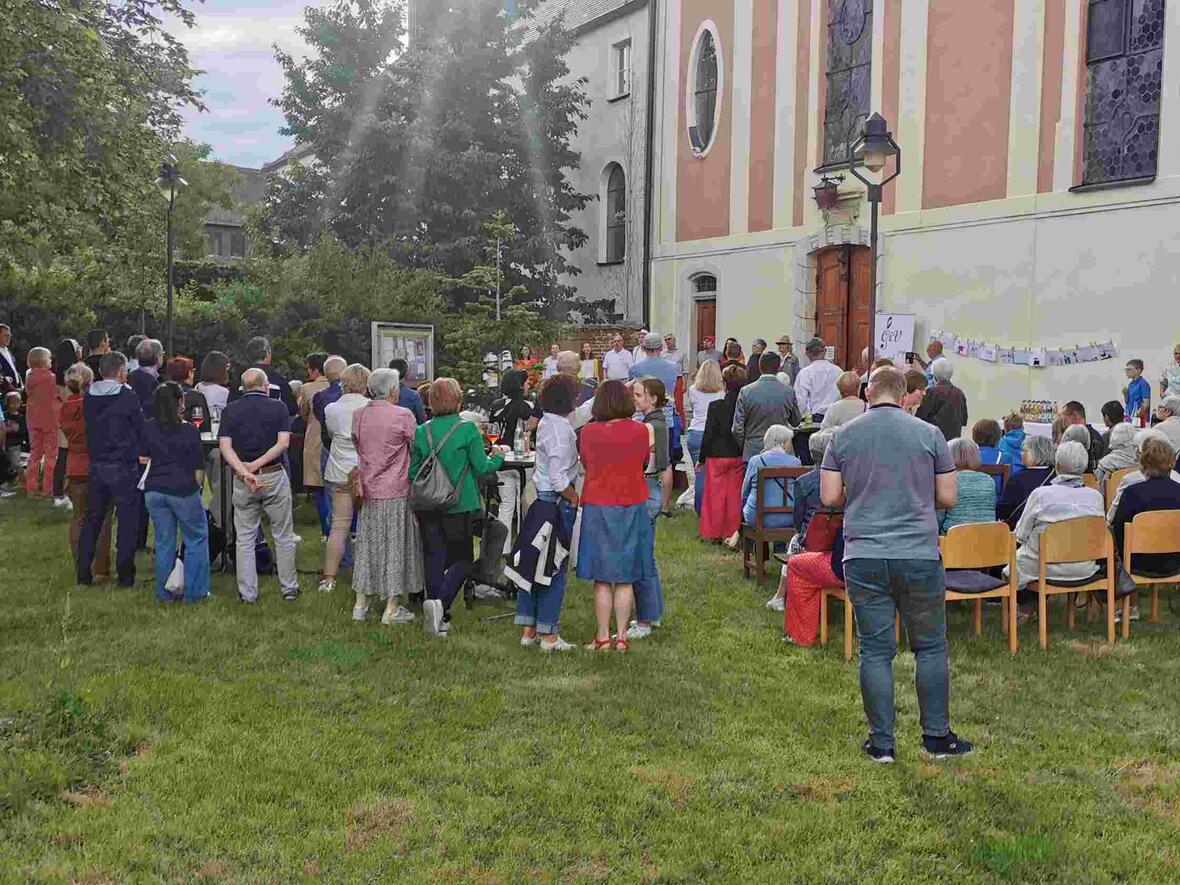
(432, 489)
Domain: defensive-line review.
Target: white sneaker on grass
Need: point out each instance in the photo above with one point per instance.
(776, 603)
(401, 616)
(63, 502)
(486, 591)
(432, 616)
(557, 644)
(327, 585)
(638, 631)
(360, 612)
(529, 641)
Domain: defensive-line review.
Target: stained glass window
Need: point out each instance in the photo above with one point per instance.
(1124, 78)
(705, 80)
(616, 214)
(849, 76)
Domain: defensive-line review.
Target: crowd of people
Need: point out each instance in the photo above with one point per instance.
(404, 480)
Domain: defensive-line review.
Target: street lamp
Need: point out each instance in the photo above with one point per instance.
(170, 184)
(873, 150)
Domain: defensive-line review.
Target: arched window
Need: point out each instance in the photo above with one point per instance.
(704, 284)
(705, 78)
(616, 214)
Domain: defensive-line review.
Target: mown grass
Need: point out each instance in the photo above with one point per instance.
(283, 743)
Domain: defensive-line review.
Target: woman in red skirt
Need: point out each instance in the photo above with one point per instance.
(721, 463)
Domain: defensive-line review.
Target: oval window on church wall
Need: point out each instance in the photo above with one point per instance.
(705, 79)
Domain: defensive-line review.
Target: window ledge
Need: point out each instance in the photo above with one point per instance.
(828, 168)
(1110, 185)
(624, 96)
(612, 263)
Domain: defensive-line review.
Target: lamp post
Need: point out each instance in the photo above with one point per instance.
(170, 184)
(873, 149)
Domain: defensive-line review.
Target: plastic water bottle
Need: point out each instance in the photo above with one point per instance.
(518, 442)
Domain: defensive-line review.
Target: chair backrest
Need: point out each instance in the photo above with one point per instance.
(1077, 540)
(978, 545)
(1091, 481)
(1000, 470)
(774, 474)
(1154, 532)
(1112, 483)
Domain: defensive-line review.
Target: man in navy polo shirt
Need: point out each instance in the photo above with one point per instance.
(408, 397)
(254, 435)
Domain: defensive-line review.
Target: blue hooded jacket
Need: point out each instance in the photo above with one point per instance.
(1010, 450)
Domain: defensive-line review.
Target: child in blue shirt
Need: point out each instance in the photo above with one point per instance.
(1137, 393)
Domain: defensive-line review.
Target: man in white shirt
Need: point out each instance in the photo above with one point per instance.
(550, 363)
(815, 388)
(11, 377)
(617, 362)
(672, 355)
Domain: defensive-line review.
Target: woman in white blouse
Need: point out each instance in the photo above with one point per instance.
(706, 388)
(342, 460)
(538, 610)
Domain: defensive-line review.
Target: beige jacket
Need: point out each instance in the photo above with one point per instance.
(312, 444)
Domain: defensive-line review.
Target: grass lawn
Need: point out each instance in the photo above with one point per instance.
(284, 742)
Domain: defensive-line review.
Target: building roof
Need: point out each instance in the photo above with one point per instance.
(294, 155)
(249, 191)
(581, 13)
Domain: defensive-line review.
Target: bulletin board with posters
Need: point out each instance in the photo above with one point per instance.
(411, 342)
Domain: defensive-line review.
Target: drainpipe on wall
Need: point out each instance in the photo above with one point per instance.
(649, 161)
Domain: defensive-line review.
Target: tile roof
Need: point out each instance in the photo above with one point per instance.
(578, 12)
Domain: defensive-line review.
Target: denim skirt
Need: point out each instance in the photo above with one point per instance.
(616, 544)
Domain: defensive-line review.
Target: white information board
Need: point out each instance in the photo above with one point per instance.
(895, 336)
(411, 342)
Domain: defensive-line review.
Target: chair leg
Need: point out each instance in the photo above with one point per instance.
(1043, 619)
(979, 617)
(1071, 600)
(1010, 624)
(847, 630)
(1155, 603)
(760, 565)
(823, 618)
(1110, 605)
(1004, 615)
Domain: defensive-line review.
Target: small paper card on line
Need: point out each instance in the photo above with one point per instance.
(1021, 356)
(1036, 357)
(1004, 355)
(830, 352)
(987, 352)
(973, 349)
(1070, 357)
(1107, 351)
(1054, 357)
(961, 345)
(1088, 353)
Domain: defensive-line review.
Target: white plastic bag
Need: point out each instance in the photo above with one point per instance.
(175, 582)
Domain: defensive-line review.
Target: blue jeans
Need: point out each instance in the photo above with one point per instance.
(541, 607)
(649, 594)
(917, 590)
(111, 484)
(694, 440)
(168, 512)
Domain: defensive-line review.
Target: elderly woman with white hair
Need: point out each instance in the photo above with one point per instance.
(805, 504)
(977, 490)
(776, 452)
(1080, 433)
(1168, 412)
(1136, 476)
(1036, 453)
(1123, 454)
(1066, 497)
(388, 559)
(944, 406)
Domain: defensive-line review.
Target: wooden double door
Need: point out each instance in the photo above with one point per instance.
(842, 301)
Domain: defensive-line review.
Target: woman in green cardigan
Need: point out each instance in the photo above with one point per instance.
(447, 538)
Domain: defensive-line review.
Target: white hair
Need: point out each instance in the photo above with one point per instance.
(1122, 435)
(942, 369)
(777, 436)
(818, 445)
(1072, 459)
(1151, 433)
(1040, 447)
(1078, 433)
(568, 363)
(1171, 402)
(965, 453)
(254, 379)
(383, 382)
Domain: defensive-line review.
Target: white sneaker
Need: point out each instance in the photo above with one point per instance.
(776, 603)
(431, 616)
(63, 502)
(558, 644)
(298, 538)
(360, 612)
(401, 616)
(638, 631)
(4, 493)
(486, 591)
(444, 628)
(327, 585)
(528, 641)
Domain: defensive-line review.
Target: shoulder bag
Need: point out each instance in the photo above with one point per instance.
(432, 489)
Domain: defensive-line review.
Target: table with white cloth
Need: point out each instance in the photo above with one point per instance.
(1036, 428)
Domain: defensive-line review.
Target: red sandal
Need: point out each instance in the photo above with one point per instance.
(598, 645)
(622, 645)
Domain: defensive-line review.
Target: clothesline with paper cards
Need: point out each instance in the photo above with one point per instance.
(1033, 357)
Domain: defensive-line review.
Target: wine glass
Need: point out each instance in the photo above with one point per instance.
(493, 432)
(198, 417)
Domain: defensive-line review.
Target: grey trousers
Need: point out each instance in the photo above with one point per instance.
(273, 499)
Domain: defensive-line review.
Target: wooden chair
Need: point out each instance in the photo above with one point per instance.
(1085, 539)
(1091, 481)
(1112, 483)
(841, 593)
(1155, 532)
(1003, 471)
(968, 548)
(757, 540)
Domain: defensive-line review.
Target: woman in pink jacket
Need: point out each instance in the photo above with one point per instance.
(388, 552)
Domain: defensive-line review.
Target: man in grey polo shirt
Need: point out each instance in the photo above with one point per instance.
(890, 471)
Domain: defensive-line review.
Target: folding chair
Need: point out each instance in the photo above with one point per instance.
(1003, 471)
(968, 548)
(1091, 481)
(1155, 532)
(1112, 484)
(757, 538)
(1085, 539)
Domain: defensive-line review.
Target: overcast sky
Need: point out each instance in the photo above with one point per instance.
(232, 43)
